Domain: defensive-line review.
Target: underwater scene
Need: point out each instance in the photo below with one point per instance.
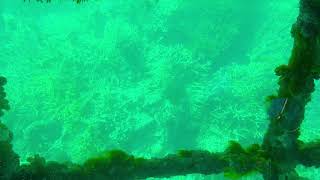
(150, 78)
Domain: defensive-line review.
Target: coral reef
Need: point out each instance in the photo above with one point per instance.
(277, 157)
(119, 165)
(128, 77)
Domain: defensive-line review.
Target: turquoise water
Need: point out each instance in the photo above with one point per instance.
(146, 76)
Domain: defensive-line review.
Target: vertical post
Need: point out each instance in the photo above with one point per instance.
(9, 160)
(296, 83)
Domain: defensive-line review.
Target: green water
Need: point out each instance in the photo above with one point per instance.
(146, 76)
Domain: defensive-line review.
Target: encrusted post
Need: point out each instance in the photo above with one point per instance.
(9, 161)
(296, 82)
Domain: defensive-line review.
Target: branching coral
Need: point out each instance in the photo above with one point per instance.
(83, 82)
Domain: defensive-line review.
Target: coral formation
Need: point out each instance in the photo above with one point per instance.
(130, 79)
